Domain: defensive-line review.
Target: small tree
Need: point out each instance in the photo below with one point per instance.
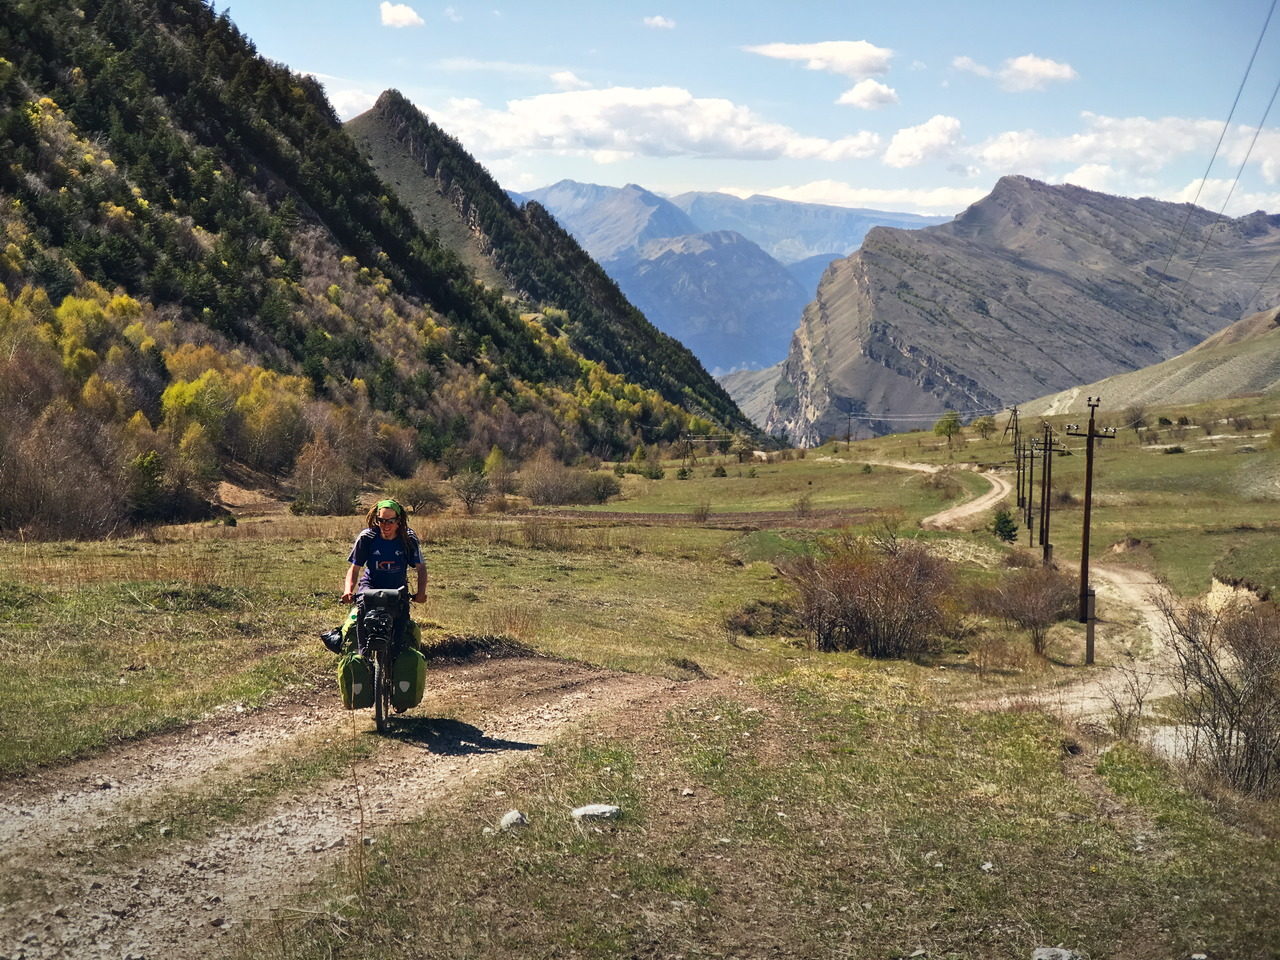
(471, 487)
(741, 447)
(985, 426)
(1034, 599)
(1004, 526)
(498, 470)
(421, 493)
(948, 426)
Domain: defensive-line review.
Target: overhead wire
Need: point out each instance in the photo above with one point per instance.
(1209, 233)
(1221, 136)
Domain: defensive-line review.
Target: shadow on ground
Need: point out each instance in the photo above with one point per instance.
(450, 738)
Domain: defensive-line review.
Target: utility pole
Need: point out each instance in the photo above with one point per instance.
(848, 430)
(1031, 488)
(1087, 612)
(1012, 424)
(1046, 452)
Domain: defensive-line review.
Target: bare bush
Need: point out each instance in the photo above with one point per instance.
(701, 513)
(422, 493)
(1228, 680)
(543, 534)
(1127, 693)
(1034, 599)
(944, 484)
(546, 481)
(802, 507)
(1021, 559)
(324, 482)
(863, 597)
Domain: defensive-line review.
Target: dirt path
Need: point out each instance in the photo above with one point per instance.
(950, 519)
(1124, 604)
(76, 899)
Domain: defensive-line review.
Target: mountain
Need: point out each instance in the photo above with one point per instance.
(612, 221)
(523, 250)
(703, 276)
(789, 231)
(1034, 288)
(753, 390)
(200, 267)
(683, 284)
(1243, 359)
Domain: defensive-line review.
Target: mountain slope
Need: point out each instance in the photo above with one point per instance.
(683, 285)
(524, 250)
(1242, 359)
(199, 267)
(1033, 288)
(789, 231)
(609, 222)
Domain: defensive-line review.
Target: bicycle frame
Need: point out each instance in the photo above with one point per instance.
(376, 629)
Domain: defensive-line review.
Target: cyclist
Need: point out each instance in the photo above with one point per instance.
(385, 551)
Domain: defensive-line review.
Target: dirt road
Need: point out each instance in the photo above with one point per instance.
(71, 891)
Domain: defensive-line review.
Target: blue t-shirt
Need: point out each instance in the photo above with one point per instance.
(385, 565)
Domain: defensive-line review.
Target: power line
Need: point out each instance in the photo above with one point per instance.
(1209, 233)
(1225, 127)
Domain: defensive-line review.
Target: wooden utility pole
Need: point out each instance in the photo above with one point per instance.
(1031, 489)
(1087, 612)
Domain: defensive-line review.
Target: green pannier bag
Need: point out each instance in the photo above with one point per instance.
(408, 679)
(355, 680)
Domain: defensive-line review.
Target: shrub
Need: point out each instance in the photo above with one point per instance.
(719, 471)
(762, 618)
(701, 513)
(802, 506)
(1176, 448)
(325, 484)
(1004, 526)
(421, 492)
(546, 481)
(471, 487)
(884, 603)
(1033, 599)
(1227, 677)
(944, 483)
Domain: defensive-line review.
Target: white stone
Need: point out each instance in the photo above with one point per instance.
(597, 811)
(513, 819)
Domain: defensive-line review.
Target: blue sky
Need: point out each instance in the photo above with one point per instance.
(911, 106)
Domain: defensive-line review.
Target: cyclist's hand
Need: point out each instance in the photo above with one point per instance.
(345, 598)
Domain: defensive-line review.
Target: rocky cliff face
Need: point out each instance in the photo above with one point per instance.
(1033, 289)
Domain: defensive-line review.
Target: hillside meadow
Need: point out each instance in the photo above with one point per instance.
(785, 802)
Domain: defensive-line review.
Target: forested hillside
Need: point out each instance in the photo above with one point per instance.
(200, 267)
(535, 257)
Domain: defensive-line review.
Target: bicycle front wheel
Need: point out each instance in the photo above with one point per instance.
(381, 691)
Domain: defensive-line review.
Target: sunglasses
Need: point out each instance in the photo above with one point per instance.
(382, 520)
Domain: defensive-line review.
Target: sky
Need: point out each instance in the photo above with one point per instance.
(910, 106)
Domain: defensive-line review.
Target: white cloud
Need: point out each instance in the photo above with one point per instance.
(869, 95)
(1132, 145)
(568, 80)
(1034, 73)
(660, 23)
(910, 146)
(941, 201)
(349, 102)
(624, 121)
(399, 15)
(451, 14)
(1214, 195)
(850, 58)
(1093, 176)
(1027, 72)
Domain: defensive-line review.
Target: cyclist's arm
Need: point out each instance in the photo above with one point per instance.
(349, 583)
(421, 595)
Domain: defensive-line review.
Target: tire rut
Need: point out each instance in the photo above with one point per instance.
(184, 900)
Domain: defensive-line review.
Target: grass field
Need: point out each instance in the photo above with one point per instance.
(802, 804)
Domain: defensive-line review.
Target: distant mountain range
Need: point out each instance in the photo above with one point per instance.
(1033, 289)
(728, 277)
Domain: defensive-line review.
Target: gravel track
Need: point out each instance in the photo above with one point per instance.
(187, 898)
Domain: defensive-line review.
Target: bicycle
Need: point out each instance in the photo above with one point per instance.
(376, 640)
